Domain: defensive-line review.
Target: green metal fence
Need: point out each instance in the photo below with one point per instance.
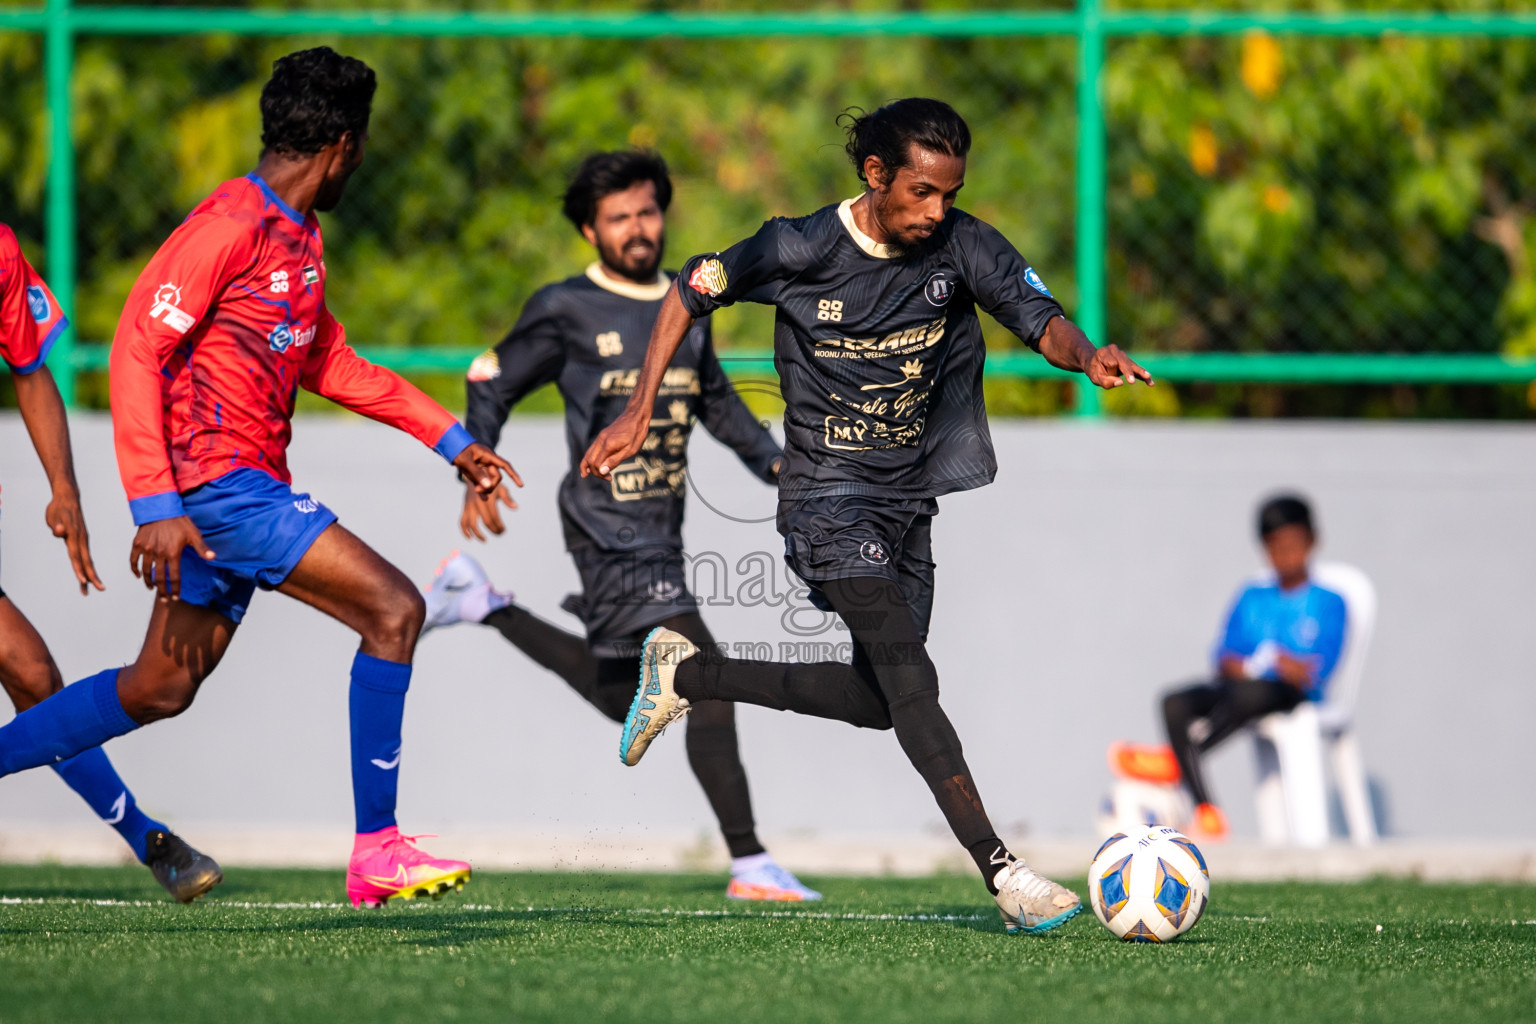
(62, 24)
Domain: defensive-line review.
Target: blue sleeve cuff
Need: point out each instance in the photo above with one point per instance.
(454, 440)
(43, 350)
(155, 507)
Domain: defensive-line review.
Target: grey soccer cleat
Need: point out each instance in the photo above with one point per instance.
(656, 704)
(460, 592)
(1032, 903)
(185, 873)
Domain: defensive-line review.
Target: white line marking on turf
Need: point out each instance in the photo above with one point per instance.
(796, 915)
(804, 915)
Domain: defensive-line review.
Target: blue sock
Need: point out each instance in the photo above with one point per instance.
(92, 776)
(80, 716)
(377, 704)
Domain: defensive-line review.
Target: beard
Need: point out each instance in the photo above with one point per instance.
(636, 259)
(898, 246)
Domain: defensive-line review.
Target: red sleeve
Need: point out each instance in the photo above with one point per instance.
(165, 307)
(335, 371)
(30, 317)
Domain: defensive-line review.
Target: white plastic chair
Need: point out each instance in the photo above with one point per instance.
(1290, 746)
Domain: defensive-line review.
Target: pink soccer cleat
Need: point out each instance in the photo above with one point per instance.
(388, 866)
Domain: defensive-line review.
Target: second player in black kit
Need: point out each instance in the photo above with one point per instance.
(587, 335)
(880, 355)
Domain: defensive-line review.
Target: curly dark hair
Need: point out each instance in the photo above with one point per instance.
(890, 132)
(603, 174)
(312, 99)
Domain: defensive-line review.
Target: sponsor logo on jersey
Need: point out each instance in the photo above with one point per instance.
(306, 505)
(280, 281)
(829, 309)
(649, 478)
(940, 289)
(311, 275)
(487, 366)
(609, 344)
(284, 336)
(903, 342)
(166, 309)
(708, 278)
(846, 434)
(678, 380)
(1033, 280)
(37, 304)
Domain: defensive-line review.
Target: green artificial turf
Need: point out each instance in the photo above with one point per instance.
(574, 947)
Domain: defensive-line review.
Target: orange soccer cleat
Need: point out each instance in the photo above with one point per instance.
(1145, 762)
(1210, 825)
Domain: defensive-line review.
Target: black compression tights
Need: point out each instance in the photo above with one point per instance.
(608, 684)
(891, 684)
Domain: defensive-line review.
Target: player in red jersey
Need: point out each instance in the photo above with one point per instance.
(223, 327)
(30, 322)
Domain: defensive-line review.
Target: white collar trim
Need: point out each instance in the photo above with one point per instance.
(879, 250)
(643, 292)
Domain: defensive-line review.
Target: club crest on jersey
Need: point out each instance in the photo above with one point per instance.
(1033, 280)
(874, 552)
(166, 309)
(665, 590)
(284, 336)
(37, 304)
(708, 278)
(487, 366)
(940, 289)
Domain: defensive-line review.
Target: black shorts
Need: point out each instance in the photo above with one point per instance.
(625, 593)
(848, 536)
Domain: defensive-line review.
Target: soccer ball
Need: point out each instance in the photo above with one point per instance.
(1148, 884)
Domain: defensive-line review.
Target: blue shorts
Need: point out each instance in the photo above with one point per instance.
(257, 527)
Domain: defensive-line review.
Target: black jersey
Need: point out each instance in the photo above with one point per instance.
(588, 335)
(879, 355)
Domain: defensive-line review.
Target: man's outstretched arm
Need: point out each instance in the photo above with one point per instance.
(1064, 345)
(622, 438)
(42, 409)
(333, 370)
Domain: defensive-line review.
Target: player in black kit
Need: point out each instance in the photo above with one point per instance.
(880, 353)
(587, 334)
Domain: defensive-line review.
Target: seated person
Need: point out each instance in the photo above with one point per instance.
(1282, 641)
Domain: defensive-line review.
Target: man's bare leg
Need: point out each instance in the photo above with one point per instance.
(349, 581)
(30, 676)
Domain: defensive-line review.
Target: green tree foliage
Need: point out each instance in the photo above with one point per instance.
(1323, 194)
(1278, 194)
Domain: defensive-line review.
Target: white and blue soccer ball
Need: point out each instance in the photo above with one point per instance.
(1148, 884)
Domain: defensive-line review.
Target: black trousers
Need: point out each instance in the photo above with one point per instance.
(1226, 705)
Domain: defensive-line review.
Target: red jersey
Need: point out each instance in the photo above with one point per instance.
(30, 317)
(220, 331)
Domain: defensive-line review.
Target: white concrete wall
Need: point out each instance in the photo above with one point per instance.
(1091, 575)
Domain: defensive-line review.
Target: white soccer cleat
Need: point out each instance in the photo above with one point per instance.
(460, 592)
(762, 878)
(1032, 903)
(656, 704)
